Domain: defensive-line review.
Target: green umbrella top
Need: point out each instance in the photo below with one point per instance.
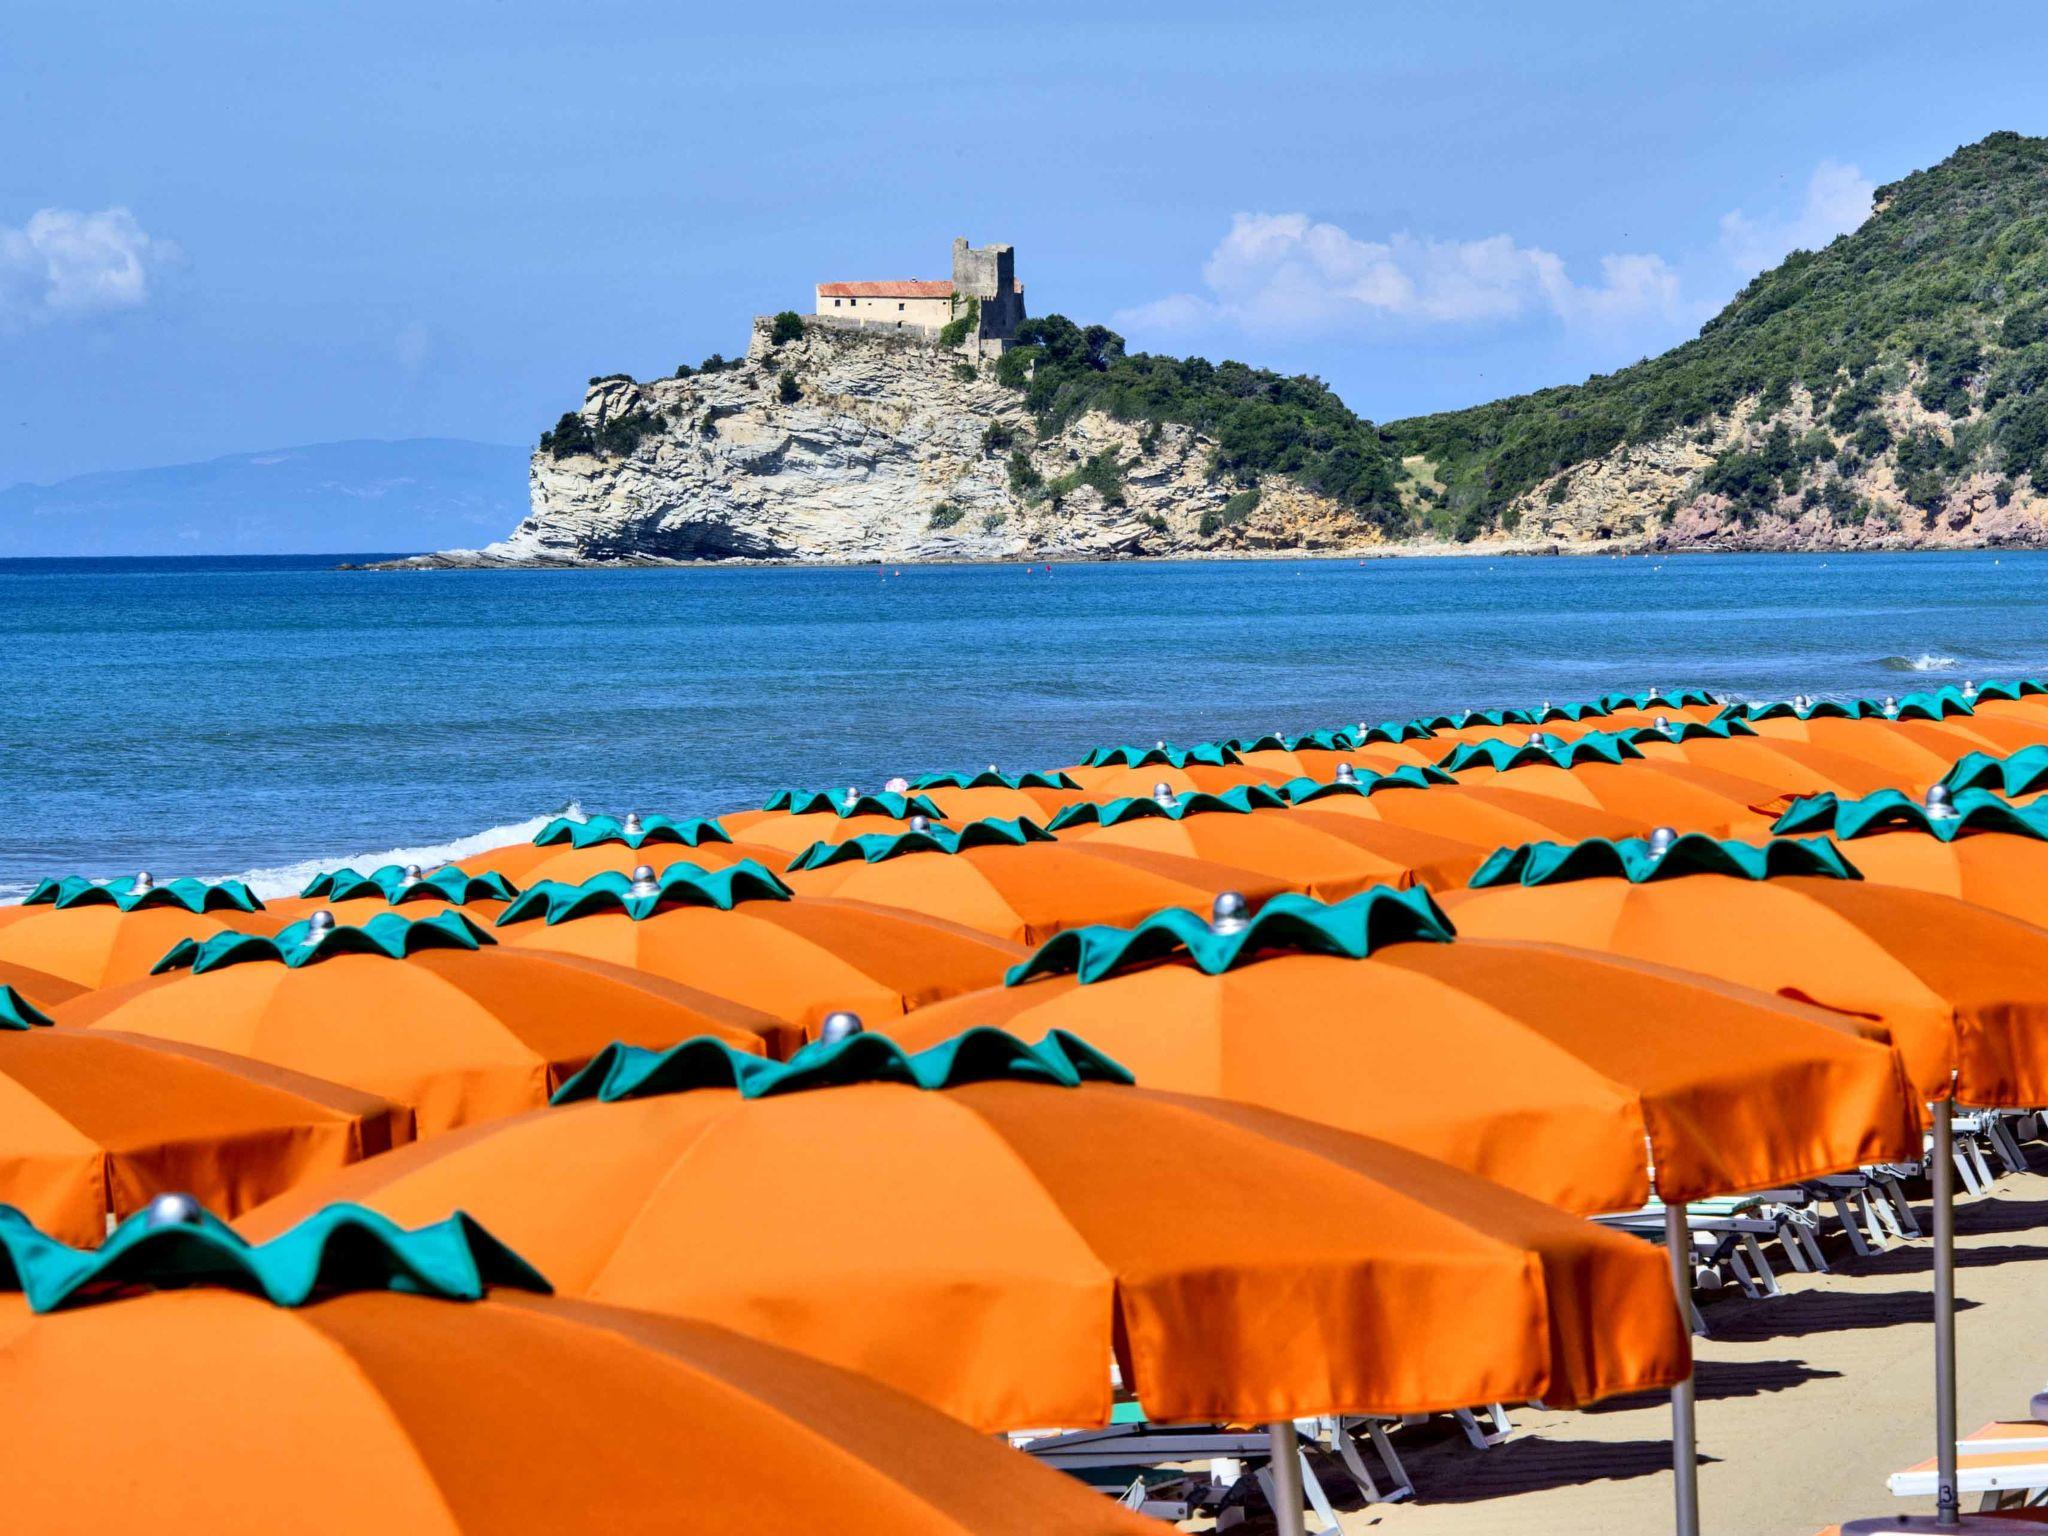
(979, 1055)
(135, 892)
(2015, 688)
(1940, 815)
(1349, 781)
(173, 1243)
(1656, 698)
(1663, 855)
(17, 1012)
(851, 802)
(320, 937)
(397, 885)
(1171, 805)
(2024, 772)
(1213, 754)
(992, 778)
(1229, 937)
(644, 893)
(1688, 730)
(1584, 709)
(1803, 707)
(1464, 719)
(1304, 741)
(1387, 731)
(633, 830)
(923, 837)
(1539, 750)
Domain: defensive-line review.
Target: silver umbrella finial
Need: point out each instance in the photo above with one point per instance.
(1661, 839)
(839, 1025)
(920, 823)
(1939, 806)
(318, 926)
(172, 1210)
(644, 883)
(1229, 913)
(1346, 774)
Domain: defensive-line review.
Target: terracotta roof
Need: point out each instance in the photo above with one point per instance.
(902, 288)
(893, 288)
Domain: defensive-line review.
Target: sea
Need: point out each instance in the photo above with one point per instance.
(272, 717)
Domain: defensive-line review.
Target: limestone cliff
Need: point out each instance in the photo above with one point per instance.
(870, 446)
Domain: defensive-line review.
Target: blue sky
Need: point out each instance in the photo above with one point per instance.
(234, 226)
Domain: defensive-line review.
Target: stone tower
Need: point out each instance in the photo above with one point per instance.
(989, 273)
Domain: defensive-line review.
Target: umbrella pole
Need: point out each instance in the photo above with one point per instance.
(1947, 1505)
(1286, 1477)
(1685, 1472)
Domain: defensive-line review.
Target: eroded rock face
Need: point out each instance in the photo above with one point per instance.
(888, 454)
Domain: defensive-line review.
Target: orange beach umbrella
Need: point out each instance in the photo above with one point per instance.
(1959, 989)
(458, 1034)
(95, 1122)
(986, 1239)
(1543, 1068)
(795, 961)
(102, 946)
(199, 1409)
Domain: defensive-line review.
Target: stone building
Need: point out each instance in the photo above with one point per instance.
(986, 274)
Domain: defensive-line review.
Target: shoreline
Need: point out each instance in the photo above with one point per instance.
(1515, 549)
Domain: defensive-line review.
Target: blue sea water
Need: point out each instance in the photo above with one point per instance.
(272, 716)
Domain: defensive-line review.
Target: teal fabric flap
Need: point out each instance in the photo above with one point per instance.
(389, 883)
(1212, 754)
(387, 934)
(635, 832)
(1502, 756)
(174, 1244)
(1812, 709)
(1968, 811)
(990, 778)
(977, 1056)
(1585, 710)
(1465, 719)
(125, 893)
(1407, 776)
(1689, 730)
(1656, 698)
(2024, 772)
(874, 847)
(1238, 800)
(1638, 861)
(2013, 688)
(680, 885)
(850, 802)
(1289, 924)
(1390, 732)
(17, 1012)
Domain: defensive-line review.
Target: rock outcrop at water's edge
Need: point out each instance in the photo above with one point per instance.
(893, 449)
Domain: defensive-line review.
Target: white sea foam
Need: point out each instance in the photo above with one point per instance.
(289, 879)
(1926, 661)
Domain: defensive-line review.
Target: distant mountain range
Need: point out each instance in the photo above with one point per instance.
(415, 494)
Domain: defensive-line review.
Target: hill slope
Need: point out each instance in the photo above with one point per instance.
(420, 493)
(1888, 389)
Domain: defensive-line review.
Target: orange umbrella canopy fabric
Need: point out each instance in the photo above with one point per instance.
(1540, 1067)
(796, 961)
(456, 1034)
(1022, 894)
(1960, 989)
(511, 1413)
(94, 1123)
(103, 946)
(984, 1239)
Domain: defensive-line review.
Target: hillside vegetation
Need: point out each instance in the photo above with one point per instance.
(1887, 369)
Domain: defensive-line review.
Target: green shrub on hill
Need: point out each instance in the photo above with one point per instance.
(1946, 286)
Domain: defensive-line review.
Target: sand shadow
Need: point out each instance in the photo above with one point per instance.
(1720, 1380)
(1918, 1258)
(1821, 1311)
(1528, 1464)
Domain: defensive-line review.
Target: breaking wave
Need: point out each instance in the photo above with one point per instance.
(1926, 661)
(280, 880)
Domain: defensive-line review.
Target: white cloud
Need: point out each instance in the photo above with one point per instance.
(64, 265)
(1279, 274)
(1838, 199)
(1282, 275)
